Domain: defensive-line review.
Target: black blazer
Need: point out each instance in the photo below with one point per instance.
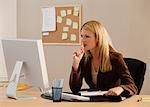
(118, 76)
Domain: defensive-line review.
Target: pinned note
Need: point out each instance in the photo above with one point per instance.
(68, 21)
(59, 19)
(76, 8)
(69, 12)
(75, 25)
(63, 13)
(65, 29)
(73, 37)
(76, 11)
(64, 36)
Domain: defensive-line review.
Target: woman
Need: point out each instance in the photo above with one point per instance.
(99, 64)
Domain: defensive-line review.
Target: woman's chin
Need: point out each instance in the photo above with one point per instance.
(86, 49)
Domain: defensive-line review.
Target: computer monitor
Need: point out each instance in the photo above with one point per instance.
(25, 61)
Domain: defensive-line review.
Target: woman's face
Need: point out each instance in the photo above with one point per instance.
(88, 40)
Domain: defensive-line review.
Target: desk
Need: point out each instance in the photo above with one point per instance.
(40, 102)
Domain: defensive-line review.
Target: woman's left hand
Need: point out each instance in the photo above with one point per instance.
(114, 91)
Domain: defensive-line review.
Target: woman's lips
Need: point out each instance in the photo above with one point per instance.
(84, 45)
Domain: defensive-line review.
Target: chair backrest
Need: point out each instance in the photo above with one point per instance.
(137, 69)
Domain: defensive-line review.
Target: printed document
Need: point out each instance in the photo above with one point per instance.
(92, 93)
(49, 19)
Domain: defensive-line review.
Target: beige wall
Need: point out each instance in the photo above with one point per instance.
(8, 18)
(7, 28)
(127, 21)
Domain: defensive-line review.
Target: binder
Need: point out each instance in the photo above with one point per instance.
(77, 98)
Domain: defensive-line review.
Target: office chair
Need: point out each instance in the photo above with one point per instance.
(137, 69)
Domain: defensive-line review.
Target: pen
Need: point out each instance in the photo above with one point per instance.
(145, 99)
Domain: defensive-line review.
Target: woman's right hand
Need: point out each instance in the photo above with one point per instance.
(77, 56)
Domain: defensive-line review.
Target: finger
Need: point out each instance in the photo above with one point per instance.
(110, 93)
(82, 50)
(74, 55)
(78, 53)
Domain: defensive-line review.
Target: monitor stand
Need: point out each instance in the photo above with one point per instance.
(13, 82)
(12, 85)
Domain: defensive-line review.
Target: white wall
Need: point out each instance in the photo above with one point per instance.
(127, 21)
(7, 28)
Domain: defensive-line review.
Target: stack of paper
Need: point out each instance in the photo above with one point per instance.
(92, 93)
(71, 97)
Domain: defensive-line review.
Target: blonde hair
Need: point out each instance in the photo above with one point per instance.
(103, 43)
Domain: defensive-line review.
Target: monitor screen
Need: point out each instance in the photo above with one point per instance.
(30, 52)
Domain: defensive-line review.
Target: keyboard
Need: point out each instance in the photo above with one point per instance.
(71, 97)
(66, 96)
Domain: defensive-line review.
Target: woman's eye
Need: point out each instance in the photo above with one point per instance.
(87, 36)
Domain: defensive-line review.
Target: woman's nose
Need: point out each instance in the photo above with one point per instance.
(83, 39)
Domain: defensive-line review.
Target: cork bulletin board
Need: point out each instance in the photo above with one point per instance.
(68, 24)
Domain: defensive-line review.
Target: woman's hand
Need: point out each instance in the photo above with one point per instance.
(77, 56)
(114, 91)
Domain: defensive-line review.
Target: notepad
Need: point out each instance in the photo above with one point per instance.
(92, 93)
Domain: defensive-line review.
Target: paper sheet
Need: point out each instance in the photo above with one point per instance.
(59, 19)
(69, 12)
(76, 8)
(73, 37)
(49, 19)
(63, 13)
(45, 33)
(76, 11)
(92, 93)
(75, 25)
(65, 29)
(68, 21)
(64, 36)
